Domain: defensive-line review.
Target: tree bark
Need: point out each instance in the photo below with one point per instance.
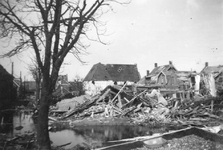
(37, 91)
(43, 139)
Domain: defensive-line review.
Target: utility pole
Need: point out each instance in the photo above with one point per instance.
(24, 86)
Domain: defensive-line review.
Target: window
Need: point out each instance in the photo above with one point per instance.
(119, 69)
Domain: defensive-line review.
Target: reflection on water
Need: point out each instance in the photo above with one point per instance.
(66, 136)
(25, 120)
(15, 123)
(96, 136)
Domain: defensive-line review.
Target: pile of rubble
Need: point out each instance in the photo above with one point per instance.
(147, 106)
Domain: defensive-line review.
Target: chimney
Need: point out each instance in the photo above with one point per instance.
(147, 72)
(155, 65)
(170, 62)
(206, 64)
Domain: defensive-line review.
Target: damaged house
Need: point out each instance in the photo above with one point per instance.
(167, 76)
(186, 79)
(170, 80)
(153, 107)
(162, 75)
(103, 75)
(212, 79)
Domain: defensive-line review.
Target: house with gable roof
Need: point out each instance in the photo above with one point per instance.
(106, 74)
(215, 70)
(168, 77)
(162, 75)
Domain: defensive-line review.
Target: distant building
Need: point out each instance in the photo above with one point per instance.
(217, 72)
(168, 77)
(7, 89)
(162, 75)
(186, 79)
(107, 74)
(29, 87)
(62, 86)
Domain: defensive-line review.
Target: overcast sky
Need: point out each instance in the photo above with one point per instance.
(186, 32)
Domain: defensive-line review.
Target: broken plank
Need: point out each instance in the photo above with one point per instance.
(133, 99)
(81, 107)
(119, 91)
(104, 95)
(141, 138)
(126, 99)
(51, 118)
(128, 110)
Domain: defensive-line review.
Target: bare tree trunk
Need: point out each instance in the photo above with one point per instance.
(42, 125)
(58, 34)
(37, 91)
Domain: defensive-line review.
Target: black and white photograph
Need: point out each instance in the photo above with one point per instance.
(111, 74)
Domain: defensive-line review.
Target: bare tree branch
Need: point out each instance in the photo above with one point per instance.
(52, 29)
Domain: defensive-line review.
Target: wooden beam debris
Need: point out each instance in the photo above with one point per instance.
(115, 102)
(133, 99)
(119, 92)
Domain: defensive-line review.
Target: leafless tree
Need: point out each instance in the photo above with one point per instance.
(37, 76)
(51, 29)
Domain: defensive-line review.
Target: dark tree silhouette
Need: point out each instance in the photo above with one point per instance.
(51, 29)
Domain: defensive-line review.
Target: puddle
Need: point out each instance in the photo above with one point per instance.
(15, 123)
(96, 136)
(67, 136)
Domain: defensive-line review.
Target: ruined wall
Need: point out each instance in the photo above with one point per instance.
(219, 84)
